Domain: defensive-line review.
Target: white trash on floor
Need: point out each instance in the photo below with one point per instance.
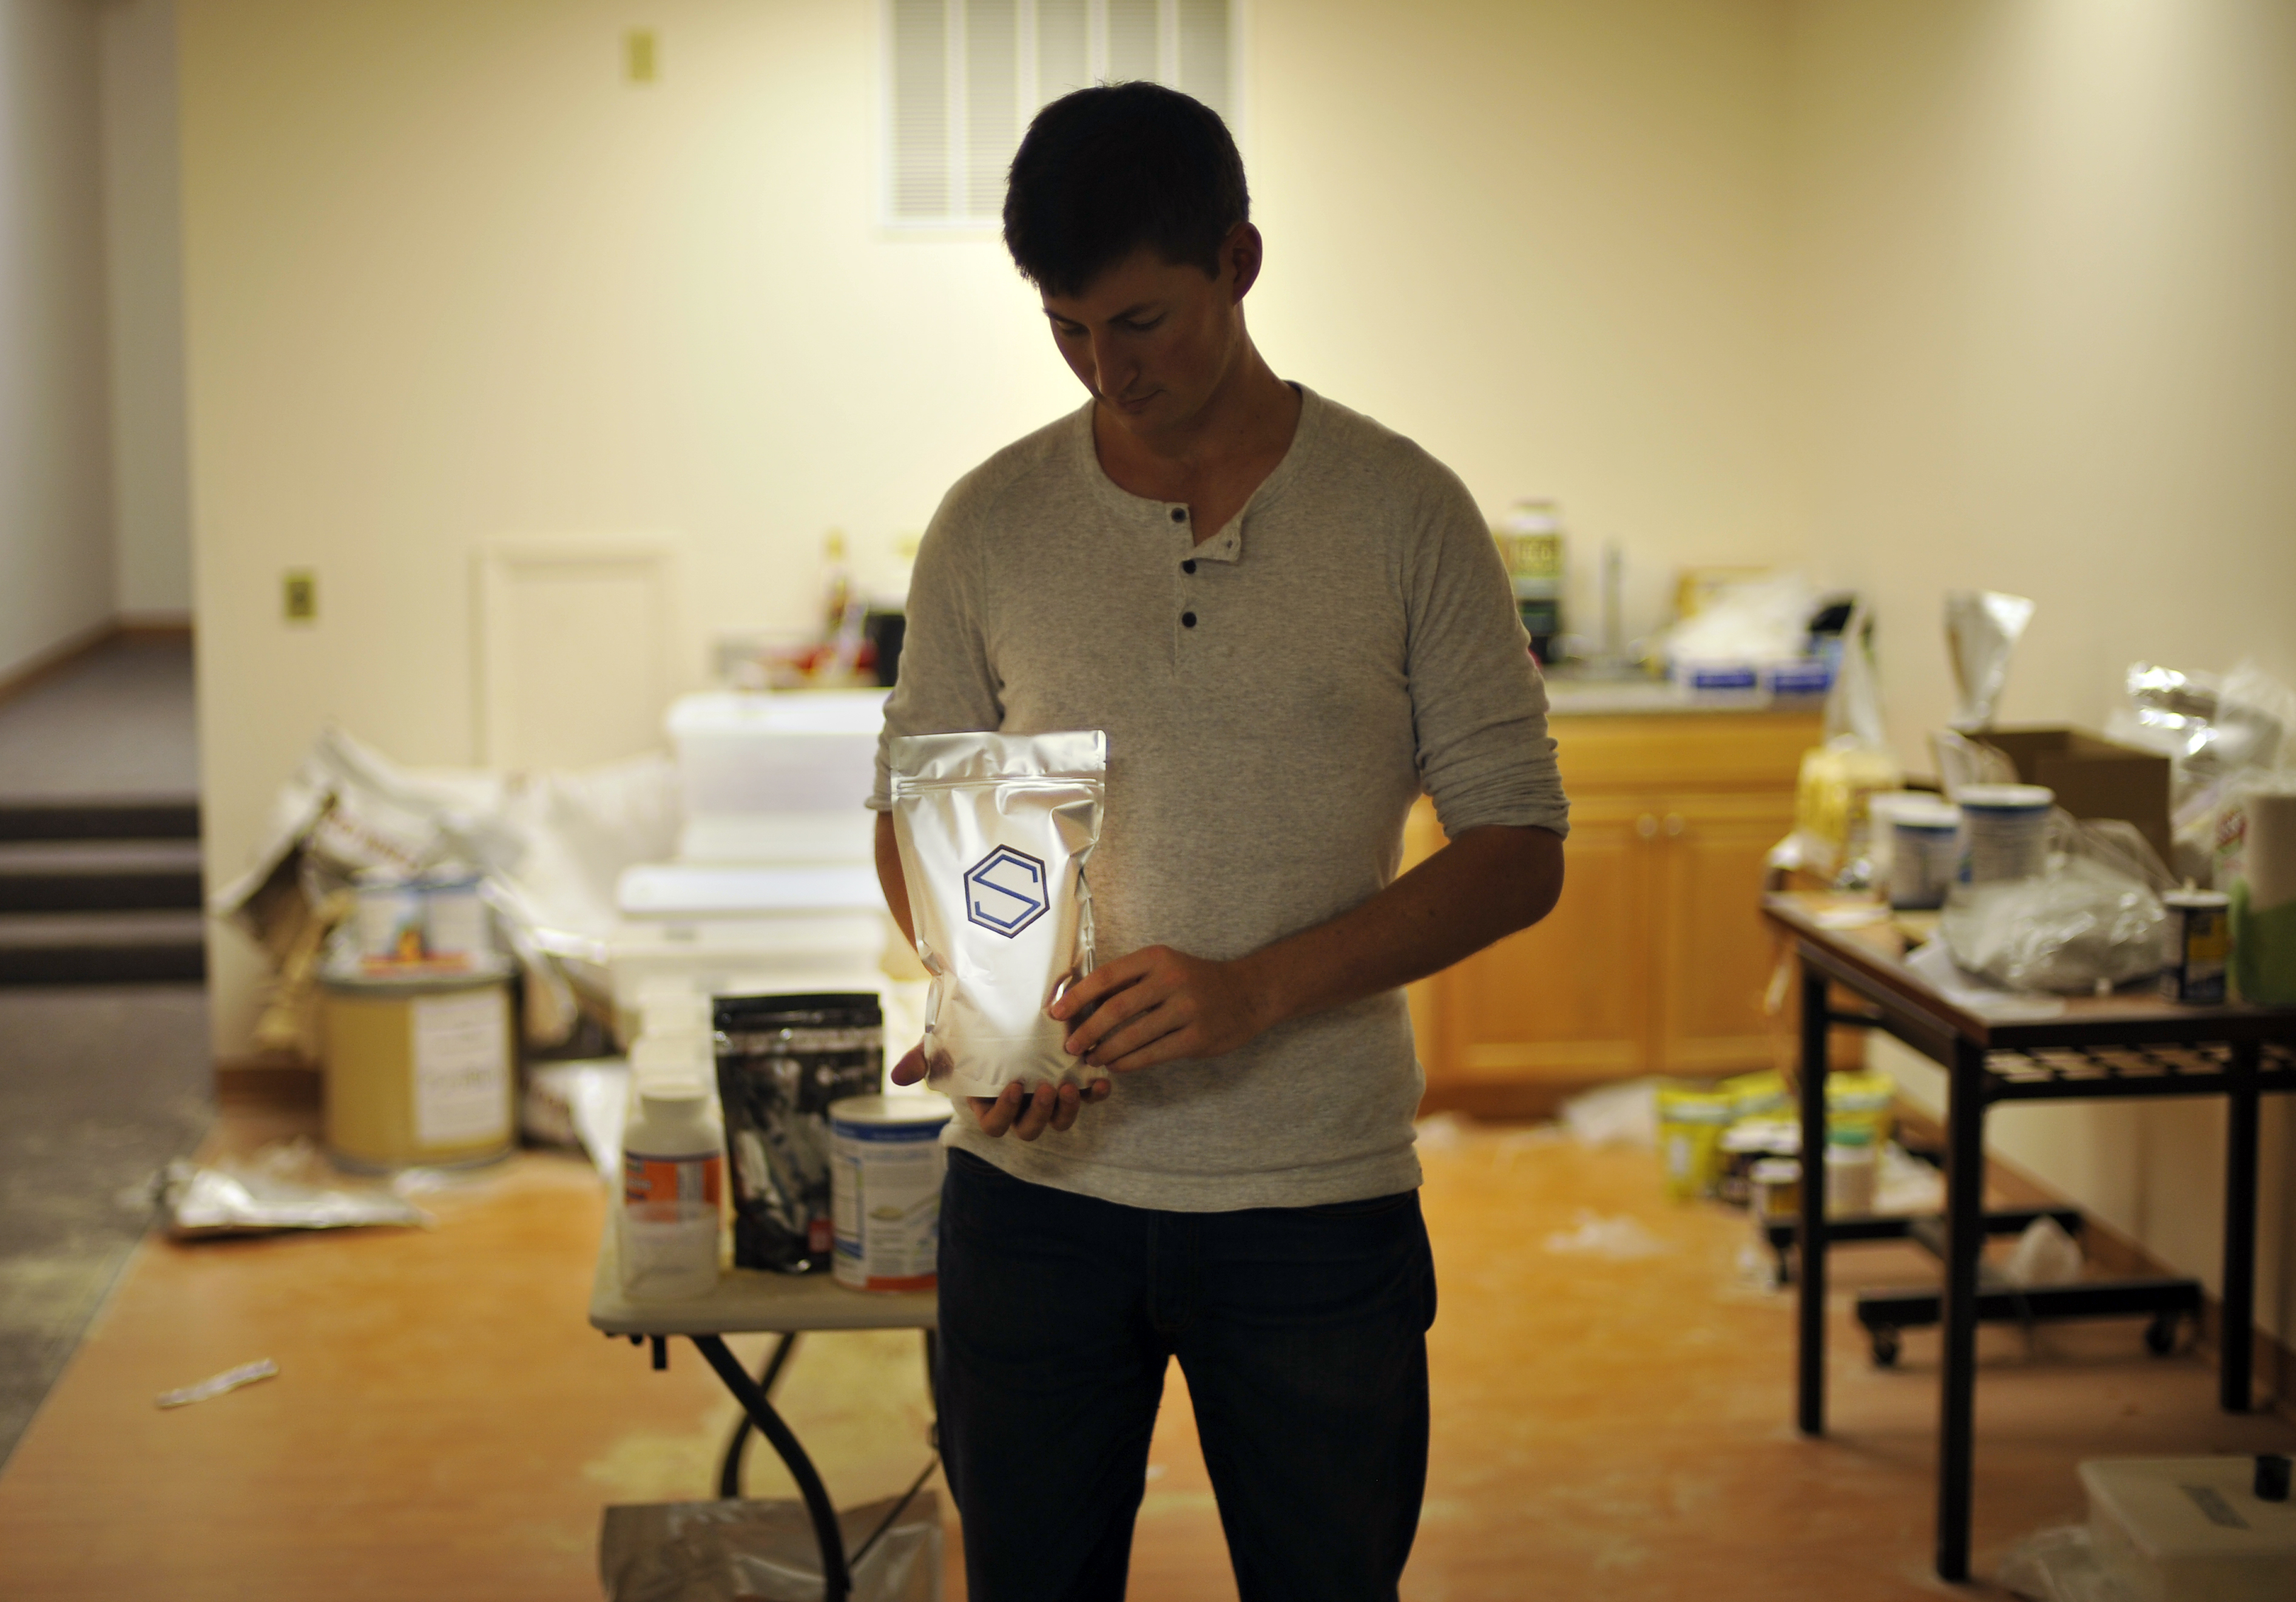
(1615, 1116)
(1621, 1239)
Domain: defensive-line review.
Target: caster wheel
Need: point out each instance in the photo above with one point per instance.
(2160, 1334)
(1885, 1348)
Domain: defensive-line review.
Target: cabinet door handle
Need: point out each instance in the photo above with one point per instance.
(1646, 826)
(1673, 825)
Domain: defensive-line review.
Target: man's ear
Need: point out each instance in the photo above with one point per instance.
(1241, 254)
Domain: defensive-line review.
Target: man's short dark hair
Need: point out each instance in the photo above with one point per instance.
(1105, 170)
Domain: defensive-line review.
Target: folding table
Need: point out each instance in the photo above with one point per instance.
(754, 1302)
(2104, 1046)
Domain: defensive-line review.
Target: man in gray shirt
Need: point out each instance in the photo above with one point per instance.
(1289, 622)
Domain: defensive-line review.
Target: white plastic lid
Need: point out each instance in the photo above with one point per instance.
(1925, 812)
(2006, 798)
(673, 1055)
(931, 1107)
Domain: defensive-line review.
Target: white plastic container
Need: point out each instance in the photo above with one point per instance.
(2004, 831)
(1924, 852)
(672, 1177)
(886, 1162)
(1851, 1171)
(776, 777)
(455, 922)
(2190, 1529)
(390, 917)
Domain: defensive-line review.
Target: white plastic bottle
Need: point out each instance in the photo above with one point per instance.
(672, 1177)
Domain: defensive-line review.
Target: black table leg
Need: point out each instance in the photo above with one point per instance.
(1811, 1347)
(1964, 1183)
(836, 1579)
(2236, 1349)
(729, 1470)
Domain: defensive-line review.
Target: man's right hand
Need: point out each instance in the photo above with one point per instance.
(1017, 1109)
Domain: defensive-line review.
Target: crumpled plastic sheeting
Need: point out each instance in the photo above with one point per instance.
(2061, 1565)
(763, 1551)
(232, 1198)
(549, 846)
(2065, 931)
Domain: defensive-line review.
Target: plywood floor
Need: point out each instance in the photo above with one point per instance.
(444, 1425)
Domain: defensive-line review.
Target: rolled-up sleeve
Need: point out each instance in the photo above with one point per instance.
(1477, 704)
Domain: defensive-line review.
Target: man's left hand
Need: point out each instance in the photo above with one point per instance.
(1159, 1005)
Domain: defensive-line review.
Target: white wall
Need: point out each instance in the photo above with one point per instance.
(150, 496)
(2044, 276)
(55, 546)
(450, 278)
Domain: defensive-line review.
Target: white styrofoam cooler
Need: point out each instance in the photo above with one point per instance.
(2190, 1530)
(777, 777)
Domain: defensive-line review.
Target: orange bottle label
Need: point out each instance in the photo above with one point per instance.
(672, 1179)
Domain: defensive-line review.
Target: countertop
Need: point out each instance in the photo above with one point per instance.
(1569, 695)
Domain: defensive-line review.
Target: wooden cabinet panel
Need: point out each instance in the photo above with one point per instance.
(1564, 998)
(1656, 960)
(1715, 955)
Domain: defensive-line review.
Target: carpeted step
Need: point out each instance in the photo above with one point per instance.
(100, 817)
(102, 948)
(100, 875)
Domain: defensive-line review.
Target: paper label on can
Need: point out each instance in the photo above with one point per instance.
(461, 1068)
(886, 1199)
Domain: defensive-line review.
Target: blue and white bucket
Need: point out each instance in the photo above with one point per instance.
(2004, 831)
(886, 1162)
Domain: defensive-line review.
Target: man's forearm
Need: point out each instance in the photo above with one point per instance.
(1483, 887)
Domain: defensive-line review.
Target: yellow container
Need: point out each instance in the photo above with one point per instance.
(419, 1071)
(1690, 1126)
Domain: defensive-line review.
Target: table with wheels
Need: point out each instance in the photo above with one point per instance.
(753, 1302)
(2099, 1048)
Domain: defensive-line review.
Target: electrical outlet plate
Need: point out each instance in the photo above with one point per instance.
(300, 595)
(640, 55)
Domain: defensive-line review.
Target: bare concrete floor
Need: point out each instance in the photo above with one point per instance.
(445, 1427)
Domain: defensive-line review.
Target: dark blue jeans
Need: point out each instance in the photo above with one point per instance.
(1303, 1335)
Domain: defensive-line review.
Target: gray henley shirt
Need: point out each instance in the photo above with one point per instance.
(1274, 700)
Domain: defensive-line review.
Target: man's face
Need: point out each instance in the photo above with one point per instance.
(1152, 342)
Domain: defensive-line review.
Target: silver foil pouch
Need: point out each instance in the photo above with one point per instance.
(994, 832)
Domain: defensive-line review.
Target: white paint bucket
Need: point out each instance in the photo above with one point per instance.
(886, 1162)
(2004, 831)
(1924, 852)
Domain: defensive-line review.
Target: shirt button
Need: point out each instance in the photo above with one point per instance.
(1179, 514)
(1187, 567)
(1187, 619)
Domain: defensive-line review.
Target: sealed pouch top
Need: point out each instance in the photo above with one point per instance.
(994, 832)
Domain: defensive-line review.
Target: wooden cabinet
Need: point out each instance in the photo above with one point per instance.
(1656, 960)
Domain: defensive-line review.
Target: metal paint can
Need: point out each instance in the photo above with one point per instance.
(885, 1173)
(2200, 933)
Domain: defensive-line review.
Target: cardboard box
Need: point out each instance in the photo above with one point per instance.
(2093, 776)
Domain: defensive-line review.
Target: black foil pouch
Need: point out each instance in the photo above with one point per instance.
(781, 1061)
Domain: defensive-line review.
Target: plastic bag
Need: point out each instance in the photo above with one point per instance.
(1832, 828)
(2226, 739)
(1981, 629)
(2061, 1565)
(2094, 917)
(765, 1551)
